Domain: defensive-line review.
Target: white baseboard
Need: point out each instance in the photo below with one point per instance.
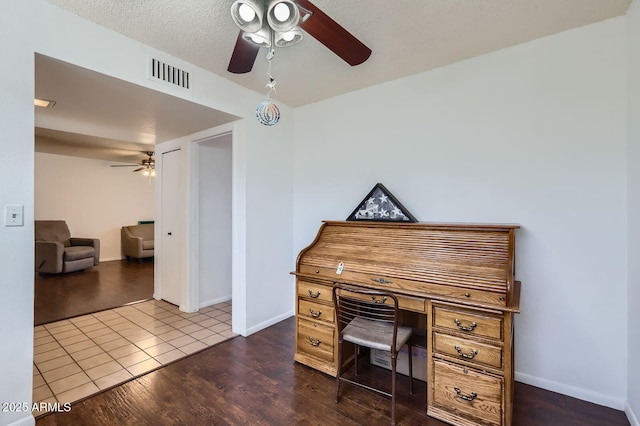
(583, 394)
(25, 421)
(214, 301)
(633, 419)
(268, 323)
(111, 259)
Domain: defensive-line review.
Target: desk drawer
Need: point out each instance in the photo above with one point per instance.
(468, 393)
(319, 292)
(466, 291)
(316, 339)
(313, 311)
(476, 323)
(404, 302)
(467, 350)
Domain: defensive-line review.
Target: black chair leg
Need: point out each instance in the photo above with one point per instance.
(339, 370)
(393, 388)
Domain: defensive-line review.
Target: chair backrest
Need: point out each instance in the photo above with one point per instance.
(143, 230)
(52, 230)
(351, 302)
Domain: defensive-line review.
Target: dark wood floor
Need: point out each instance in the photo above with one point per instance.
(107, 285)
(254, 381)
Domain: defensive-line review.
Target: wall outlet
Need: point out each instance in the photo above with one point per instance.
(13, 215)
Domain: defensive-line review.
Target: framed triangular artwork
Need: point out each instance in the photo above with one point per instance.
(381, 206)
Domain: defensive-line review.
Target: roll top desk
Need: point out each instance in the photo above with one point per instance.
(458, 277)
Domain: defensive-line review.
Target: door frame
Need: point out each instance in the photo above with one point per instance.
(238, 221)
(191, 291)
(195, 220)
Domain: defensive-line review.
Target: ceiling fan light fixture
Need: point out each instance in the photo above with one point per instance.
(246, 12)
(281, 12)
(247, 15)
(149, 172)
(261, 37)
(283, 15)
(288, 38)
(147, 166)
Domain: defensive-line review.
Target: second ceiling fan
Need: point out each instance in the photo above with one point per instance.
(147, 166)
(277, 23)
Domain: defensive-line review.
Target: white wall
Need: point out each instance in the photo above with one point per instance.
(534, 134)
(269, 222)
(633, 191)
(95, 199)
(43, 28)
(16, 243)
(215, 220)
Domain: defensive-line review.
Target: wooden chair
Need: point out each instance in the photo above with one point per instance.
(370, 318)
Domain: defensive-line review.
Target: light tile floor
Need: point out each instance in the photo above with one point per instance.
(81, 356)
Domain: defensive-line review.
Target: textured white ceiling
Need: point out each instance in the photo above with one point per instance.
(406, 37)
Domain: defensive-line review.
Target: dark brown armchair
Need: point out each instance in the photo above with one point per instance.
(58, 253)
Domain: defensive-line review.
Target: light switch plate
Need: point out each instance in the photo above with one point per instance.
(13, 215)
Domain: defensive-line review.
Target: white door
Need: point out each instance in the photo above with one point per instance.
(171, 262)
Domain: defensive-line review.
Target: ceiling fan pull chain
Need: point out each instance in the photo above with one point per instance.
(267, 112)
(271, 85)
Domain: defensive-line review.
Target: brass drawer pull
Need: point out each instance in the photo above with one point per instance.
(469, 397)
(381, 280)
(468, 356)
(314, 342)
(463, 328)
(379, 301)
(314, 295)
(315, 314)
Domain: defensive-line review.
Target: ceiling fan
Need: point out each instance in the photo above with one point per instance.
(147, 166)
(277, 23)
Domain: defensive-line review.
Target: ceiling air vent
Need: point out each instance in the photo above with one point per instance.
(169, 74)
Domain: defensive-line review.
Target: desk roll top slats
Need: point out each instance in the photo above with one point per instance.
(460, 276)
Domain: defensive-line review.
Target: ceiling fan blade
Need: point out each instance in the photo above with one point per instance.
(328, 32)
(138, 169)
(243, 57)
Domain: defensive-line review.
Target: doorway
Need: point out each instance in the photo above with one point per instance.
(172, 117)
(212, 233)
(197, 208)
(95, 201)
(215, 219)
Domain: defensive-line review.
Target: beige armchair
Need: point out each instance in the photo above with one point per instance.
(137, 241)
(58, 253)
